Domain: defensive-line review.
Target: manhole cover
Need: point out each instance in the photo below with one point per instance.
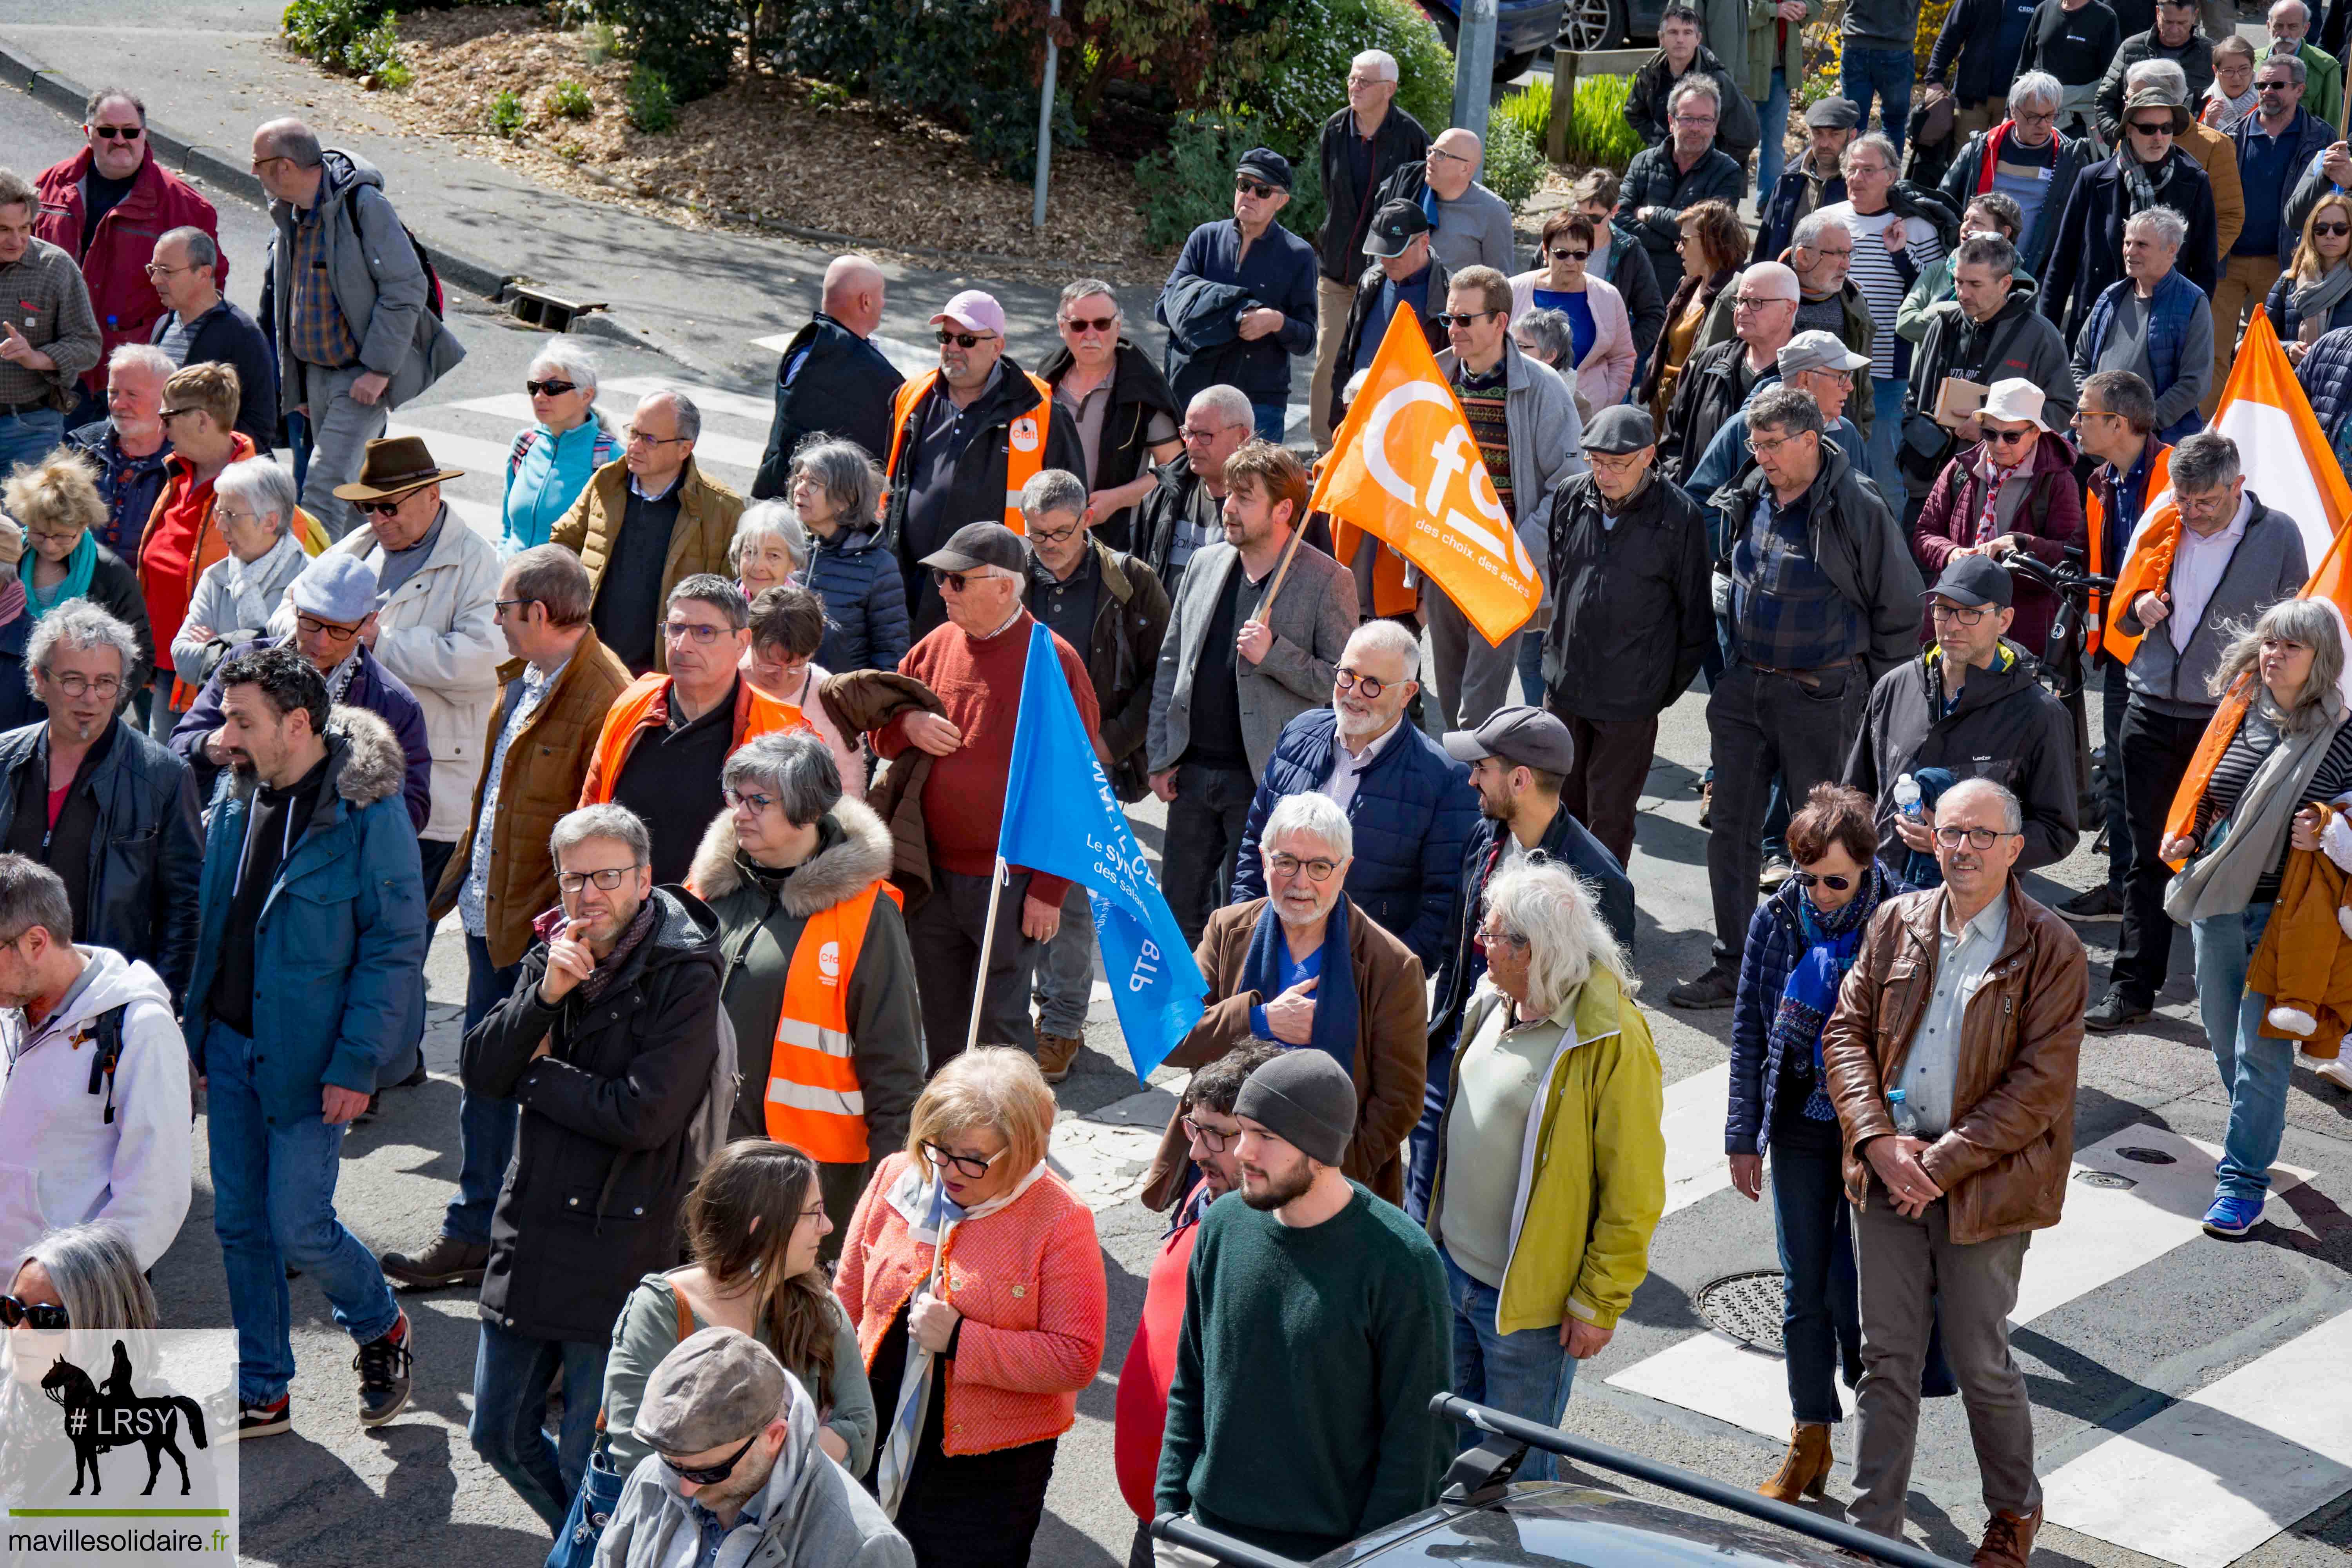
(2103, 1179)
(1746, 1307)
(2148, 1157)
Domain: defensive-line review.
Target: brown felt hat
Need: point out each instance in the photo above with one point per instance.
(394, 465)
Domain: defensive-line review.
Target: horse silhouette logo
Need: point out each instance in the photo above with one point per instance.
(113, 1416)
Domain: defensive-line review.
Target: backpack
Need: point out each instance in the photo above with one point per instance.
(705, 1133)
(106, 1031)
(433, 300)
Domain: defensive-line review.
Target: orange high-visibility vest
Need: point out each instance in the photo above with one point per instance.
(2143, 570)
(628, 712)
(1024, 440)
(814, 1100)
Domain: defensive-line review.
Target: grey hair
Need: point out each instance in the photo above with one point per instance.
(2012, 815)
(2312, 624)
(2296, 71)
(1695, 85)
(146, 356)
(1385, 636)
(1549, 907)
(798, 769)
(1054, 489)
(2298, 5)
(1087, 288)
(1807, 234)
(760, 520)
(689, 417)
(1871, 141)
(2037, 89)
(79, 624)
(2165, 75)
(1785, 409)
(1554, 340)
(261, 484)
(1379, 60)
(846, 472)
(2205, 462)
(32, 895)
(292, 141)
(603, 821)
(2168, 227)
(202, 250)
(556, 580)
(1988, 250)
(578, 365)
(710, 588)
(1317, 816)
(1231, 402)
(106, 95)
(95, 1275)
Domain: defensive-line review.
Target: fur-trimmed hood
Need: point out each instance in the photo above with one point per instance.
(371, 765)
(854, 850)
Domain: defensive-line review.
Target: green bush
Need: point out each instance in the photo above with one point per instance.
(1598, 134)
(652, 109)
(1294, 74)
(506, 115)
(1514, 159)
(689, 44)
(344, 35)
(1190, 180)
(570, 99)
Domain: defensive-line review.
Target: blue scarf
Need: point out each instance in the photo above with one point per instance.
(1810, 995)
(1920, 866)
(75, 584)
(1334, 1032)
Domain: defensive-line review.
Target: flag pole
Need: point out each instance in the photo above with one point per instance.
(987, 940)
(1266, 607)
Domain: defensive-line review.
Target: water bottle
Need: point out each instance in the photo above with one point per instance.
(1906, 1122)
(1907, 796)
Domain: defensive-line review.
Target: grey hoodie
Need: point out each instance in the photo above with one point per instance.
(1880, 23)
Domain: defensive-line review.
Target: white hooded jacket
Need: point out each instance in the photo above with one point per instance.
(61, 1162)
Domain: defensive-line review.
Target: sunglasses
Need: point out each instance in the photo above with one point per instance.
(961, 340)
(1464, 319)
(381, 508)
(1254, 188)
(42, 1315)
(1098, 324)
(2010, 438)
(955, 582)
(108, 133)
(1808, 879)
(550, 388)
(711, 1475)
(2332, 228)
(2152, 127)
(1560, 253)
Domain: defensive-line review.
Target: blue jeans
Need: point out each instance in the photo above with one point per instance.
(1421, 1144)
(2253, 1070)
(1889, 73)
(274, 1205)
(1773, 155)
(1525, 1374)
(1531, 680)
(511, 1376)
(1821, 1315)
(30, 438)
(1271, 418)
(1885, 437)
(486, 1126)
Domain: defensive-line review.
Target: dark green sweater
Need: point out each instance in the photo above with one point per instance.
(1299, 1417)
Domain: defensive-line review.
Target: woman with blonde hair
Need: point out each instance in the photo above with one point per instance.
(56, 503)
(2313, 296)
(976, 1283)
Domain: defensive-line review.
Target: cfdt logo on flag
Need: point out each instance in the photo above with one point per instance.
(116, 1446)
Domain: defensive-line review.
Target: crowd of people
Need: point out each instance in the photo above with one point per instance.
(759, 1035)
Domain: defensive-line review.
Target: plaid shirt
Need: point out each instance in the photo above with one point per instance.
(42, 295)
(1786, 613)
(315, 329)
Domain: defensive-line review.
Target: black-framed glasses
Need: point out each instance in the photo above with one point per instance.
(1199, 432)
(2273, 86)
(1756, 301)
(126, 132)
(750, 797)
(633, 437)
(1835, 884)
(961, 340)
(1257, 188)
(46, 1316)
(970, 1167)
(680, 631)
(79, 685)
(1364, 686)
(312, 625)
(1054, 535)
(1975, 837)
(711, 1475)
(1317, 870)
(608, 879)
(1464, 319)
(500, 606)
(1209, 1138)
(1561, 253)
(1959, 615)
(550, 388)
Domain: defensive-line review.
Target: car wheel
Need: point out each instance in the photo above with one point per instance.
(1510, 68)
(1592, 25)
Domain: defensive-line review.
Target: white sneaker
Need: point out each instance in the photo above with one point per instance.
(2335, 1071)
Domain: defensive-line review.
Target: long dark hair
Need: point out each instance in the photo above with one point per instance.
(754, 1180)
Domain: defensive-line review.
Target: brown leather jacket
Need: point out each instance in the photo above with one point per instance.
(2004, 1162)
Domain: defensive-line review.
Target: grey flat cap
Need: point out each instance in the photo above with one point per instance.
(1522, 736)
(1833, 114)
(336, 587)
(716, 1388)
(1620, 429)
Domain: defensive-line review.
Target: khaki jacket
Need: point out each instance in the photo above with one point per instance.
(2004, 1162)
(546, 763)
(706, 512)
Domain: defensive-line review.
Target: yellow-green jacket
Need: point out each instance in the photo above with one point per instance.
(1592, 1165)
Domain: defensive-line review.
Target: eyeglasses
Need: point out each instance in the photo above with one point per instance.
(961, 340)
(1808, 879)
(1196, 433)
(1209, 1138)
(2150, 127)
(500, 606)
(711, 1475)
(1464, 319)
(1840, 377)
(1959, 615)
(636, 438)
(958, 581)
(1364, 686)
(168, 414)
(1974, 837)
(742, 797)
(155, 271)
(1561, 253)
(551, 388)
(971, 1167)
(2009, 437)
(79, 685)
(109, 132)
(1095, 324)
(42, 536)
(1769, 445)
(47, 1316)
(702, 635)
(2035, 117)
(1450, 157)
(1487, 939)
(312, 625)
(1755, 301)
(1317, 870)
(1054, 535)
(608, 879)
(1254, 188)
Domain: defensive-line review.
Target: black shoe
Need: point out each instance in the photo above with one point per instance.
(264, 1420)
(1716, 988)
(417, 1079)
(2114, 1011)
(383, 1366)
(2100, 846)
(447, 1262)
(2098, 903)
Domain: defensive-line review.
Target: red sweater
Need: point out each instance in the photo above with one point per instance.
(1140, 1414)
(980, 683)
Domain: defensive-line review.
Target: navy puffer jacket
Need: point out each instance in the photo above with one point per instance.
(2326, 374)
(1413, 810)
(866, 627)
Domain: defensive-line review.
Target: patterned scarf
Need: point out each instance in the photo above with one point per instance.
(549, 926)
(1810, 995)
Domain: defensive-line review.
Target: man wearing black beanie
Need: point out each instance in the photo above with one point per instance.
(1314, 1327)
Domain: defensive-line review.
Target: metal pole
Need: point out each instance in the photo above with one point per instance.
(1045, 117)
(987, 942)
(1473, 66)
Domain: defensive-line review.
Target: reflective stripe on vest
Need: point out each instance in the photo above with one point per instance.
(814, 1100)
(1024, 439)
(636, 702)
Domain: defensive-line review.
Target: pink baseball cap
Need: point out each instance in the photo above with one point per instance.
(974, 312)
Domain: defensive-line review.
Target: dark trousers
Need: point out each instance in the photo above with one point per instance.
(486, 1125)
(944, 932)
(434, 854)
(2156, 751)
(1204, 831)
(2115, 695)
(1602, 791)
(1820, 1322)
(1761, 724)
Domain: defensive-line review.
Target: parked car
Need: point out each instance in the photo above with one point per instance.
(1523, 29)
(1609, 24)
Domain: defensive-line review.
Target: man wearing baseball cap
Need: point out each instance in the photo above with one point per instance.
(1969, 705)
(1240, 300)
(1816, 363)
(964, 439)
(1403, 274)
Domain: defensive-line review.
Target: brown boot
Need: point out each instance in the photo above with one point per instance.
(1806, 1467)
(2008, 1540)
(1055, 1053)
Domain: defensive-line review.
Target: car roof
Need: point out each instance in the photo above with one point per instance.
(1542, 1522)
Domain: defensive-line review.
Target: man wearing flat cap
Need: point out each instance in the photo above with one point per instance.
(1814, 182)
(735, 1455)
(1403, 274)
(437, 586)
(1970, 706)
(1272, 1435)
(1239, 302)
(2088, 253)
(960, 759)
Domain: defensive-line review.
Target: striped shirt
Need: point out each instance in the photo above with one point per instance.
(1883, 278)
(2256, 738)
(315, 331)
(1485, 400)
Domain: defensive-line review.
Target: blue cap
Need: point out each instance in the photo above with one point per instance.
(336, 587)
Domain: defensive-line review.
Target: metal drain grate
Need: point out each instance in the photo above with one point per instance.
(2103, 1179)
(2148, 1156)
(1746, 1307)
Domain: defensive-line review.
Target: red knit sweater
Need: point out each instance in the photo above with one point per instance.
(980, 682)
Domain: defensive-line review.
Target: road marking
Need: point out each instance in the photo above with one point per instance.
(2206, 1480)
(757, 411)
(911, 360)
(1696, 1166)
(452, 450)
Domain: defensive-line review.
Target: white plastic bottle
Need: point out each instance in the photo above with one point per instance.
(1907, 796)
(1906, 1121)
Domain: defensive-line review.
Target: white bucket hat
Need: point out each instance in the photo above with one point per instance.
(2015, 398)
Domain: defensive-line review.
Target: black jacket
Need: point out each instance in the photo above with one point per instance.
(1714, 385)
(1360, 311)
(1632, 614)
(233, 338)
(590, 1205)
(1968, 39)
(1629, 268)
(1961, 181)
(2089, 252)
(842, 387)
(1653, 180)
(2196, 61)
(2006, 727)
(144, 877)
(1122, 657)
(1180, 494)
(1737, 131)
(976, 494)
(1347, 213)
(1137, 391)
(1797, 193)
(2018, 342)
(114, 588)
